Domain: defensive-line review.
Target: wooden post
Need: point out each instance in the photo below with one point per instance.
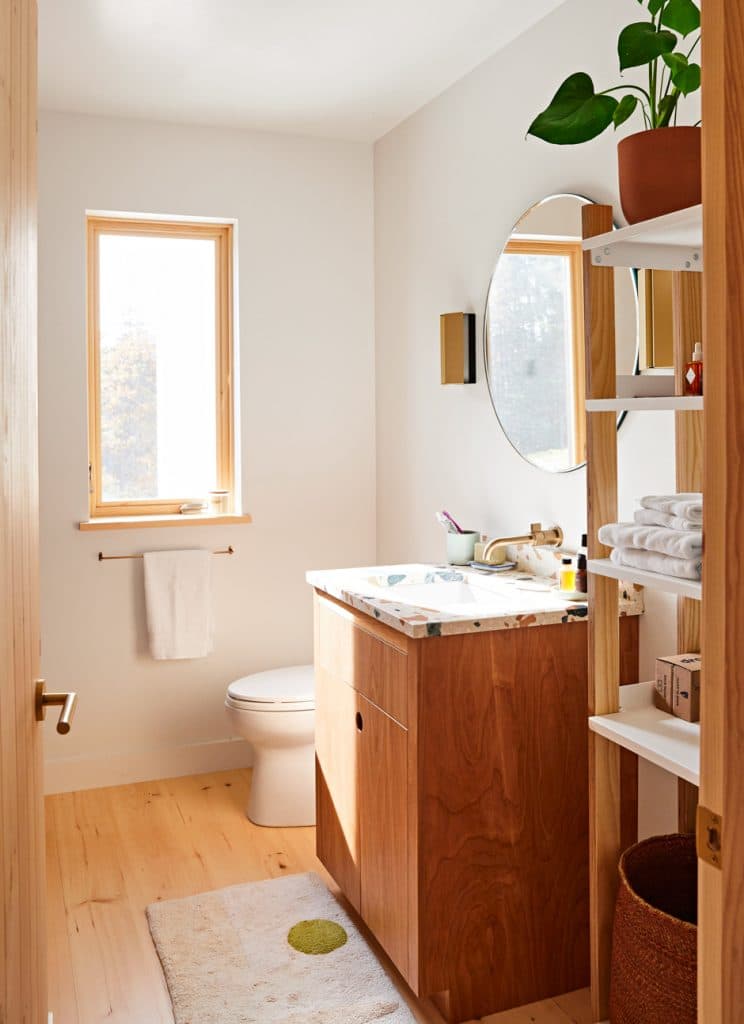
(605, 818)
(687, 304)
(721, 892)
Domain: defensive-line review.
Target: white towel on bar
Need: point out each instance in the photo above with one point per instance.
(654, 561)
(686, 506)
(178, 595)
(678, 543)
(650, 517)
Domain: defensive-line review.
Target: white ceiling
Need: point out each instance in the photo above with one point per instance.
(336, 68)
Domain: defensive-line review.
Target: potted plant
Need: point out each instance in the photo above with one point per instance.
(659, 168)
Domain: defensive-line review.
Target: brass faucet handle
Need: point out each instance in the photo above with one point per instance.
(535, 528)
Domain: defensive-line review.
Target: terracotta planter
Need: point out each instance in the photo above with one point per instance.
(659, 172)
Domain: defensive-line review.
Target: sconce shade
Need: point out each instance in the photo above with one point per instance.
(457, 336)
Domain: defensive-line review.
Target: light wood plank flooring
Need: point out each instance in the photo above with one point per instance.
(112, 851)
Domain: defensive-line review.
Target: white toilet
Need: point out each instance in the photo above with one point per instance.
(275, 712)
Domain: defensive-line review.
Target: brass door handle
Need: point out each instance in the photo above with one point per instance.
(44, 700)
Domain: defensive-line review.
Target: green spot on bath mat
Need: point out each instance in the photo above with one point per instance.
(317, 936)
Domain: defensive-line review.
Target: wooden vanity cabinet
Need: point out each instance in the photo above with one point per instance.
(452, 790)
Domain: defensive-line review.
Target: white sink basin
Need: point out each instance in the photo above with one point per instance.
(454, 597)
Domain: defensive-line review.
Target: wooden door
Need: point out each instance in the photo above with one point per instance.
(22, 940)
(384, 830)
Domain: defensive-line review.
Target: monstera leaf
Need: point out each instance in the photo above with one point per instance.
(576, 113)
(642, 43)
(681, 15)
(624, 110)
(685, 76)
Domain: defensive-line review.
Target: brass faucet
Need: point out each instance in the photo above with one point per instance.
(552, 537)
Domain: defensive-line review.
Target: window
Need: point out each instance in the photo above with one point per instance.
(545, 323)
(159, 364)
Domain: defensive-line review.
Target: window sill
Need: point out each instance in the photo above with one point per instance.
(148, 522)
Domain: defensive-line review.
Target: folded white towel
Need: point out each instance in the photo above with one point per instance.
(686, 505)
(654, 561)
(178, 595)
(650, 517)
(678, 543)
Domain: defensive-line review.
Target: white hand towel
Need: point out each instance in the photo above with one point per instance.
(654, 561)
(678, 543)
(686, 506)
(650, 517)
(178, 594)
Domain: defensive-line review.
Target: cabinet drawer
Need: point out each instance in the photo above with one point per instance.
(370, 664)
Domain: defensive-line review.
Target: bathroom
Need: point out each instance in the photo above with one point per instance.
(355, 227)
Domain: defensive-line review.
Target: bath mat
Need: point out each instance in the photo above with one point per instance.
(228, 958)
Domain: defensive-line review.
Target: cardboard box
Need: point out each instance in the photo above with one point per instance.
(663, 691)
(686, 687)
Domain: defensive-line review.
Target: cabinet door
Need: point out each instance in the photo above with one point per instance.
(384, 830)
(337, 772)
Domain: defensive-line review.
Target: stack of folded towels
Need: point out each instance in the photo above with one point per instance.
(666, 537)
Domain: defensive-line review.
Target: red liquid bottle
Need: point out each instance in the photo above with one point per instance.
(694, 372)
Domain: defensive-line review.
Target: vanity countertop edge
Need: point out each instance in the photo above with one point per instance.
(420, 622)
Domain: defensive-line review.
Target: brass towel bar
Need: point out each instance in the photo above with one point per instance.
(113, 558)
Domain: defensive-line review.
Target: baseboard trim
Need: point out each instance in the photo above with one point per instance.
(67, 775)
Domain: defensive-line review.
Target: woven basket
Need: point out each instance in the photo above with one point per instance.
(654, 939)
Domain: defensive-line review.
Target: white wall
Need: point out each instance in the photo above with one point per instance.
(449, 184)
(305, 265)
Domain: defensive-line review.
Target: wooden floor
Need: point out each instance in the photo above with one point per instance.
(110, 852)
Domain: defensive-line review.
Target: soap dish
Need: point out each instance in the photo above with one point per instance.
(572, 595)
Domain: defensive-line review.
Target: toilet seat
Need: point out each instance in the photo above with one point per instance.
(284, 689)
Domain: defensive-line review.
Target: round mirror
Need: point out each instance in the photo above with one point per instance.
(534, 335)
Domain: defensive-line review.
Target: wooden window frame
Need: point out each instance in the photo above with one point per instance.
(222, 235)
(572, 249)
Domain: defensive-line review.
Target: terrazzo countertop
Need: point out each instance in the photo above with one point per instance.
(440, 600)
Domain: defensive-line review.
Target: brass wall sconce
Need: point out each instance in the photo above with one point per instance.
(457, 336)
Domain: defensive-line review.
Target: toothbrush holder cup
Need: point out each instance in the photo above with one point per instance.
(461, 547)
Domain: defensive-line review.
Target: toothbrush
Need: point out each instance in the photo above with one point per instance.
(446, 520)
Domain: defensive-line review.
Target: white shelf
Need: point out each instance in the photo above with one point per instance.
(644, 578)
(654, 735)
(679, 403)
(671, 242)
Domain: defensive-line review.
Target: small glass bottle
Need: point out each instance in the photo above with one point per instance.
(568, 575)
(582, 579)
(694, 372)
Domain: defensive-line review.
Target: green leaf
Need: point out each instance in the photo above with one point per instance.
(641, 43)
(681, 15)
(666, 109)
(576, 113)
(687, 79)
(675, 61)
(624, 109)
(654, 6)
(685, 76)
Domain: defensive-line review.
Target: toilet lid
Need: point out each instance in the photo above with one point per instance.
(295, 685)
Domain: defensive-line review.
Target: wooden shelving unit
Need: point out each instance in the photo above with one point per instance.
(629, 721)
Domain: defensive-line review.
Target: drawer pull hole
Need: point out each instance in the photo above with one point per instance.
(359, 721)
